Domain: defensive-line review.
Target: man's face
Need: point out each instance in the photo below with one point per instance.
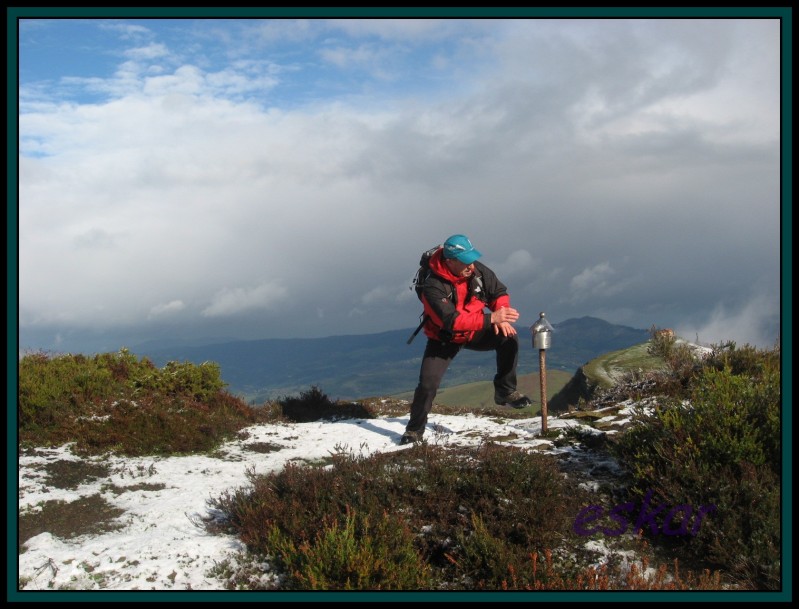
(459, 269)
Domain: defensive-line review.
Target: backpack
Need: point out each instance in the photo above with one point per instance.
(424, 271)
(418, 284)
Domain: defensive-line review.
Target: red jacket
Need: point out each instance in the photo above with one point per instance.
(455, 307)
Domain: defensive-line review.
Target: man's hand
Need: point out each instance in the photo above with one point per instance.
(505, 328)
(502, 320)
(505, 314)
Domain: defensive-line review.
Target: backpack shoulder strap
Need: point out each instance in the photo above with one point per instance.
(424, 270)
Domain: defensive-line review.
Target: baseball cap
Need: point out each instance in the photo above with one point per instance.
(459, 247)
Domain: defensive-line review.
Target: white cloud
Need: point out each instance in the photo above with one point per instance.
(593, 279)
(518, 262)
(342, 57)
(388, 295)
(376, 295)
(374, 60)
(597, 284)
(272, 31)
(173, 306)
(243, 77)
(753, 323)
(398, 29)
(228, 301)
(187, 80)
(151, 51)
(355, 313)
(125, 30)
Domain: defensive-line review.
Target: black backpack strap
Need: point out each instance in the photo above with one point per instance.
(415, 332)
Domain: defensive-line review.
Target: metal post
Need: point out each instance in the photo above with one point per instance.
(542, 354)
(542, 339)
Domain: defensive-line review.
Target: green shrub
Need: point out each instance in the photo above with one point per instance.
(680, 359)
(198, 382)
(115, 401)
(352, 554)
(486, 557)
(746, 360)
(720, 447)
(51, 389)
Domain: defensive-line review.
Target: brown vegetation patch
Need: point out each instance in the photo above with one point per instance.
(71, 474)
(142, 486)
(504, 438)
(263, 447)
(91, 515)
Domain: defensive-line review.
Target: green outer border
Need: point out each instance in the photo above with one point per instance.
(785, 14)
(164, 12)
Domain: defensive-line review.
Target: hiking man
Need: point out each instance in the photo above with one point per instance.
(465, 306)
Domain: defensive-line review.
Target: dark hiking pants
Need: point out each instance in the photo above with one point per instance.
(437, 358)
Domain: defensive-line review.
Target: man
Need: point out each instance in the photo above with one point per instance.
(455, 295)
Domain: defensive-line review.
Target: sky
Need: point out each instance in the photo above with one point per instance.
(251, 178)
(160, 545)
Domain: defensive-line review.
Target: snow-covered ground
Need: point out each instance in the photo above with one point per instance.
(160, 544)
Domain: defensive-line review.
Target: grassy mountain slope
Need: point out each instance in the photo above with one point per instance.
(480, 394)
(609, 368)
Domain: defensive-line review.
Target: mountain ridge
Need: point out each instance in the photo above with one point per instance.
(365, 365)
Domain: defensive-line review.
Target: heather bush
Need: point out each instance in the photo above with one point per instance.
(681, 362)
(183, 379)
(356, 552)
(722, 447)
(428, 517)
(314, 405)
(746, 360)
(486, 558)
(53, 389)
(115, 401)
(449, 503)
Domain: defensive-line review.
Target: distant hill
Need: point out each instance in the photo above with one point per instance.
(358, 366)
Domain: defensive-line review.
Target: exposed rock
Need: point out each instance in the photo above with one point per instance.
(580, 387)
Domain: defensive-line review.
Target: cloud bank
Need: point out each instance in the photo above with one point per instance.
(279, 178)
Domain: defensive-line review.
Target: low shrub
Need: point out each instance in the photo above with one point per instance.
(356, 552)
(455, 503)
(314, 405)
(720, 447)
(425, 518)
(115, 401)
(681, 361)
(184, 379)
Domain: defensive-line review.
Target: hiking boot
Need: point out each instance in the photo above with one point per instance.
(514, 400)
(411, 436)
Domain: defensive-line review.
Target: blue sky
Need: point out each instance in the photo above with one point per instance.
(277, 178)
